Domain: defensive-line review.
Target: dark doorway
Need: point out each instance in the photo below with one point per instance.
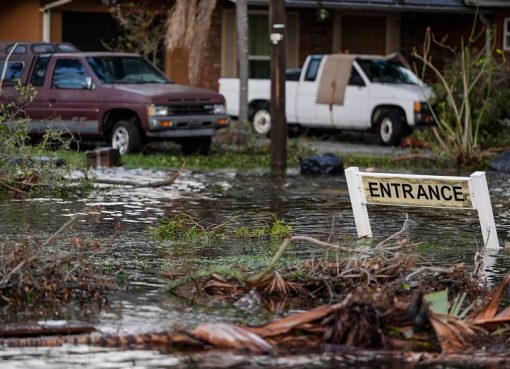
(88, 31)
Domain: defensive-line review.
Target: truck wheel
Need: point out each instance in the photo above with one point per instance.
(390, 128)
(197, 145)
(261, 121)
(125, 137)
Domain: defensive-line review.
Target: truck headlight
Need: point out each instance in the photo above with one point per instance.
(157, 110)
(219, 109)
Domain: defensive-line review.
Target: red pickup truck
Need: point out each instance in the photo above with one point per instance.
(121, 98)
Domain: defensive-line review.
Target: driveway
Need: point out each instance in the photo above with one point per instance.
(350, 143)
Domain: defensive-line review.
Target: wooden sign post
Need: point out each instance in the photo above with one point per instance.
(421, 191)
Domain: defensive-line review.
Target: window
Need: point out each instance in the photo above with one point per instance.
(313, 68)
(40, 70)
(69, 74)
(125, 69)
(380, 71)
(506, 34)
(355, 79)
(13, 70)
(43, 48)
(20, 49)
(259, 48)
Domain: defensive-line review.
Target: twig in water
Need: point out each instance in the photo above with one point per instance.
(479, 256)
(428, 270)
(394, 235)
(6, 278)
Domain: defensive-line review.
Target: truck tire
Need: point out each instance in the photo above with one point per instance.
(125, 137)
(390, 127)
(261, 121)
(196, 145)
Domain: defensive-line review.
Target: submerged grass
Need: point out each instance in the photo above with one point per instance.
(184, 227)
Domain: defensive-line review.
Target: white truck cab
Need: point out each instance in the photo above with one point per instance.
(345, 92)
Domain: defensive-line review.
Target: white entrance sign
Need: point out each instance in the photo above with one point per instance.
(423, 191)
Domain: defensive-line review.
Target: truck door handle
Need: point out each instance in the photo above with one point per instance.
(52, 100)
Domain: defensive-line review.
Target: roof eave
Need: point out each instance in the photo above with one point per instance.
(388, 7)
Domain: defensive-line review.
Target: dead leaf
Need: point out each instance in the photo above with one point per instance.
(223, 335)
(490, 310)
(286, 324)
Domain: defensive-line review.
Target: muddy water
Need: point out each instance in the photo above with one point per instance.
(316, 206)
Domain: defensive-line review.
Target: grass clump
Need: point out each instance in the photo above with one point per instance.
(183, 227)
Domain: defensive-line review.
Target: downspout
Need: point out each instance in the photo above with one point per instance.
(46, 25)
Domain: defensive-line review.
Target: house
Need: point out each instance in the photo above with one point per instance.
(313, 26)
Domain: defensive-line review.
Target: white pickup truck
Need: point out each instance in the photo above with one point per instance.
(342, 91)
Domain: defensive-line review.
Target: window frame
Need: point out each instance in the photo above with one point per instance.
(506, 34)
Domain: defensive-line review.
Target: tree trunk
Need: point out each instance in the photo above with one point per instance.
(243, 65)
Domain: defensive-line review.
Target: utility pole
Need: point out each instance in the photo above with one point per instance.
(277, 106)
(243, 67)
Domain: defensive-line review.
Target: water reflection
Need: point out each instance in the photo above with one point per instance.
(316, 206)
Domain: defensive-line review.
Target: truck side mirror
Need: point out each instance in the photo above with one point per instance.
(87, 84)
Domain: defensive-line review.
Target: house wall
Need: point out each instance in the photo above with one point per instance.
(449, 28)
(315, 37)
(211, 58)
(20, 20)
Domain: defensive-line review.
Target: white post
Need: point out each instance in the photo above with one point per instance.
(358, 202)
(46, 26)
(482, 203)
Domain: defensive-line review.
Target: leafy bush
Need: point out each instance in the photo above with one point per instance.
(22, 168)
(470, 95)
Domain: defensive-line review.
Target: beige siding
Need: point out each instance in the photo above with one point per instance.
(229, 44)
(392, 34)
(292, 42)
(20, 20)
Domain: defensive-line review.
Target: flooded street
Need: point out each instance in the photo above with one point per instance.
(119, 217)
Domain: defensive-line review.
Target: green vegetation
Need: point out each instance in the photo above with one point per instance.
(471, 95)
(183, 227)
(32, 169)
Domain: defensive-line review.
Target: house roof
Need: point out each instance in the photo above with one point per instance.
(489, 3)
(399, 5)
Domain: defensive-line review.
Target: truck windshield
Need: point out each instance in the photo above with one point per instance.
(125, 69)
(381, 71)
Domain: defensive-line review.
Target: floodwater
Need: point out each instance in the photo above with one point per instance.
(314, 206)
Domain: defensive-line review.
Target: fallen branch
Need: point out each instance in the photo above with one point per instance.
(169, 180)
(429, 270)
(45, 328)
(10, 188)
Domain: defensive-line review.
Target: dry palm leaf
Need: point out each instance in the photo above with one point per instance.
(276, 284)
(228, 336)
(188, 27)
(490, 310)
